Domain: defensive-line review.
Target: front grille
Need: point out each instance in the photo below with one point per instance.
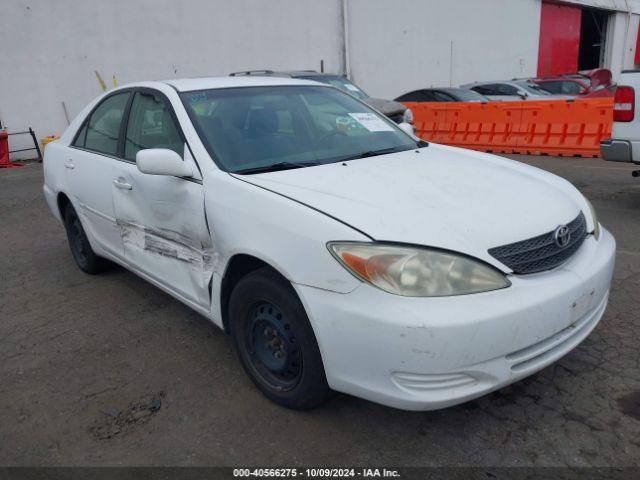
(541, 253)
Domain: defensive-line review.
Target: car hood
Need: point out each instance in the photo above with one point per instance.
(438, 196)
(386, 107)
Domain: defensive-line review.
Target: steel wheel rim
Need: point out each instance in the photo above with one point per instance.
(272, 347)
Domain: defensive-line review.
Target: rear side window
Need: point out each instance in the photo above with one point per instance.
(100, 133)
(151, 125)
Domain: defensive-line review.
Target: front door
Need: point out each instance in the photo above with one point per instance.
(161, 218)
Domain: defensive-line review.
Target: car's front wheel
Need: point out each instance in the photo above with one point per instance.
(275, 341)
(81, 250)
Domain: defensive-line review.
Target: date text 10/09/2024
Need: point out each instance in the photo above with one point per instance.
(316, 472)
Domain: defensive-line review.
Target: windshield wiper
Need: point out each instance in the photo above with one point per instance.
(373, 153)
(276, 167)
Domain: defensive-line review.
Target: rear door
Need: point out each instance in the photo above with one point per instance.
(90, 167)
(162, 218)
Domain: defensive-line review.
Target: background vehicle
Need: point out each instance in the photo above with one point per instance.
(392, 109)
(442, 95)
(624, 144)
(513, 90)
(589, 84)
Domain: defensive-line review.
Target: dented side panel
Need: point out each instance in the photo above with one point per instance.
(164, 231)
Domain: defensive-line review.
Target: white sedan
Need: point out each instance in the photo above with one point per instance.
(340, 252)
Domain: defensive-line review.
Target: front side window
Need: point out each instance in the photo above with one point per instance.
(506, 89)
(469, 96)
(489, 89)
(442, 96)
(151, 125)
(256, 127)
(100, 133)
(533, 88)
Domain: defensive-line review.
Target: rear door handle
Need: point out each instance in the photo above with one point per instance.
(69, 164)
(122, 185)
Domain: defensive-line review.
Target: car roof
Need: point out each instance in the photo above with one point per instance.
(284, 73)
(508, 82)
(191, 84)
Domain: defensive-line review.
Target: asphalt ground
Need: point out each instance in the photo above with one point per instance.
(109, 370)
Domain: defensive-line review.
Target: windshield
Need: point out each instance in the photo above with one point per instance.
(249, 128)
(338, 82)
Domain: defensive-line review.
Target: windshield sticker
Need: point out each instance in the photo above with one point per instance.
(353, 88)
(371, 122)
(196, 97)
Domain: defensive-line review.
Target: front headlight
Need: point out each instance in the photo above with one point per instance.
(594, 216)
(407, 116)
(417, 272)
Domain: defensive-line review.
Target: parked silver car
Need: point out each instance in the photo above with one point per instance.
(512, 90)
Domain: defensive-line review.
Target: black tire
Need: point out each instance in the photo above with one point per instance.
(275, 342)
(81, 250)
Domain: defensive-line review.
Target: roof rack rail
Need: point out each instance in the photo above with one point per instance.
(251, 72)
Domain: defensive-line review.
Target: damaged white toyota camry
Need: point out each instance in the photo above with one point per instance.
(339, 252)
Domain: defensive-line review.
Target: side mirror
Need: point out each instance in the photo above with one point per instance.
(162, 161)
(522, 94)
(407, 128)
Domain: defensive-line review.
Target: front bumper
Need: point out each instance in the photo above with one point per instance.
(616, 150)
(429, 353)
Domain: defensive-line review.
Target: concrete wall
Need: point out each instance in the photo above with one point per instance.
(52, 47)
(397, 46)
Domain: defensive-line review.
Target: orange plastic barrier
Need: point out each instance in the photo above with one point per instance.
(550, 127)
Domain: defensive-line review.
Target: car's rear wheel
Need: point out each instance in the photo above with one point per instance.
(81, 250)
(275, 341)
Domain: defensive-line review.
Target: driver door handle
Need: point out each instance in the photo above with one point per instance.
(69, 165)
(122, 185)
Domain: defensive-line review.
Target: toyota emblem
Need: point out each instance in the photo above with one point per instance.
(562, 236)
